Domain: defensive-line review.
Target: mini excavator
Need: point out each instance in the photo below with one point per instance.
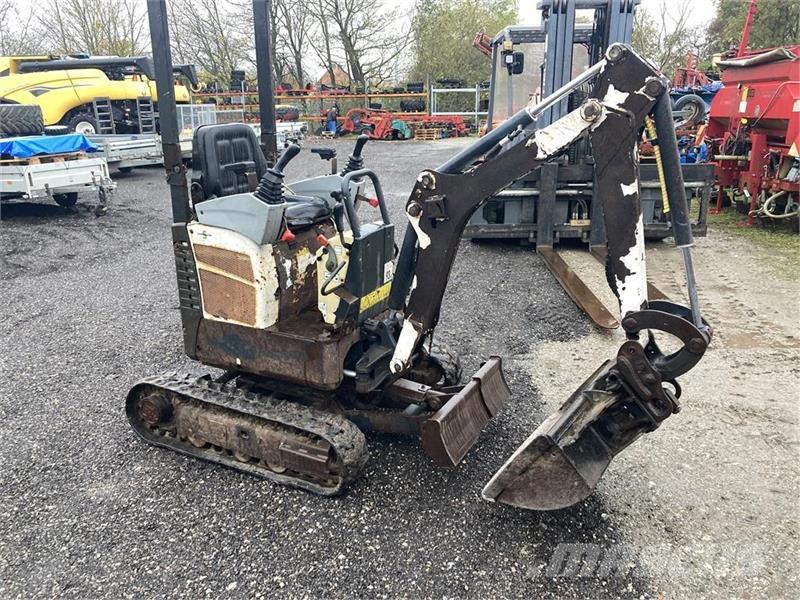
(323, 329)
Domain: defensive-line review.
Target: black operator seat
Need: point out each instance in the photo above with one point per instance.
(226, 160)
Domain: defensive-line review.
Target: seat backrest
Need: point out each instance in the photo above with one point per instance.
(226, 159)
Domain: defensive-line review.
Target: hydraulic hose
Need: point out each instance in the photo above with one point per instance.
(652, 135)
(766, 208)
(673, 176)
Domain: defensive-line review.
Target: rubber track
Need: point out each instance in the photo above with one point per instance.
(346, 439)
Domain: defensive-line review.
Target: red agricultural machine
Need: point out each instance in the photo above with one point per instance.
(754, 124)
(382, 124)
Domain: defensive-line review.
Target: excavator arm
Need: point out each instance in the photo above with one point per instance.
(628, 395)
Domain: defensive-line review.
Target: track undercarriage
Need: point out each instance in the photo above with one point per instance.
(308, 438)
(259, 432)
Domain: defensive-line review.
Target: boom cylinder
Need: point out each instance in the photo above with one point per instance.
(676, 191)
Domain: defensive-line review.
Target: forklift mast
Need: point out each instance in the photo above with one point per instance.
(553, 47)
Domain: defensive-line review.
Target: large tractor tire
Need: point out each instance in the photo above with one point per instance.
(84, 123)
(692, 108)
(20, 119)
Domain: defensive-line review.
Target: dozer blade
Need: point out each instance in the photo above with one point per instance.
(452, 430)
(561, 463)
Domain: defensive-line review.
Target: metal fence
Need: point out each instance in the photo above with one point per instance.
(465, 102)
(229, 116)
(191, 116)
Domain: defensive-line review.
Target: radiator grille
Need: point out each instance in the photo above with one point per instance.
(227, 298)
(188, 291)
(235, 263)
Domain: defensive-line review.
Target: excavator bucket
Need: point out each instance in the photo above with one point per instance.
(561, 463)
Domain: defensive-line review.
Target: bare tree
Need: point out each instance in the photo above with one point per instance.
(321, 40)
(17, 36)
(180, 52)
(209, 34)
(666, 37)
(243, 11)
(293, 27)
(368, 47)
(94, 26)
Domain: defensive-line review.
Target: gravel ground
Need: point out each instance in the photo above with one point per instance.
(704, 507)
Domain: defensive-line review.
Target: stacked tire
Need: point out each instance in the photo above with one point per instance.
(20, 119)
(412, 105)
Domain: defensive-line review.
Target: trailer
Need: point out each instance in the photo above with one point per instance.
(124, 152)
(54, 167)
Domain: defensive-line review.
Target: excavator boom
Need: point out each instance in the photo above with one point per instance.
(628, 395)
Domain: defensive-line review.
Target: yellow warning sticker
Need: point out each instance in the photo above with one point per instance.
(375, 296)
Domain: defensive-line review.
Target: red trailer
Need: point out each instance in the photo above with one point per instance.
(754, 123)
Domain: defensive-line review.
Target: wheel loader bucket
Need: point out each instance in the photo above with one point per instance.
(561, 463)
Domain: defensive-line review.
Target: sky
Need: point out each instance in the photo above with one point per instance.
(702, 10)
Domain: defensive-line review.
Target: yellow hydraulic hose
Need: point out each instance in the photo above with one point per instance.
(653, 137)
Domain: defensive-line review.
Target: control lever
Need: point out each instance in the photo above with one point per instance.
(355, 161)
(291, 151)
(326, 153)
(270, 188)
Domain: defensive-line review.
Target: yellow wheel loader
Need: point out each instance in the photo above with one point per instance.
(90, 95)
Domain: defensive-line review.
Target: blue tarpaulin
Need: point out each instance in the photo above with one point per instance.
(25, 147)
